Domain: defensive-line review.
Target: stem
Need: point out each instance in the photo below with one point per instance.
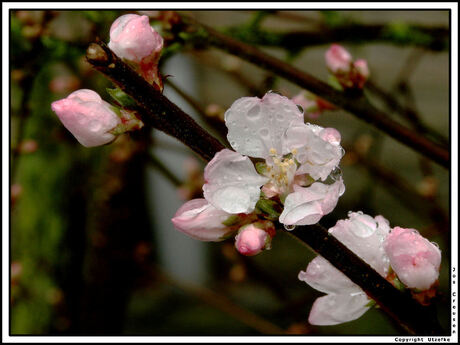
(399, 305)
(402, 307)
(355, 103)
(155, 109)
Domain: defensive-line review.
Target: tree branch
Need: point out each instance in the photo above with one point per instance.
(353, 102)
(154, 108)
(157, 110)
(432, 38)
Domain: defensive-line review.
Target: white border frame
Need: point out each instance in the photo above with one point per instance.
(453, 6)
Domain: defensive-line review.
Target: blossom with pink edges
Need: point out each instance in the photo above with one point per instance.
(414, 259)
(89, 118)
(251, 240)
(132, 38)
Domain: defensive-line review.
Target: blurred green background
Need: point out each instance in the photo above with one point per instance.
(93, 250)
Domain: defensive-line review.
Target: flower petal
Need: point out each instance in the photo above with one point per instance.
(364, 235)
(324, 277)
(306, 206)
(201, 221)
(338, 308)
(257, 125)
(232, 182)
(320, 152)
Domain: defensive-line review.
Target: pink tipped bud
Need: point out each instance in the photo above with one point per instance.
(201, 221)
(414, 259)
(338, 59)
(362, 69)
(132, 38)
(87, 117)
(251, 240)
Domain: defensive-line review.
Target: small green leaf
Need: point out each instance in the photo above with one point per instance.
(332, 81)
(232, 220)
(398, 284)
(371, 303)
(269, 208)
(122, 98)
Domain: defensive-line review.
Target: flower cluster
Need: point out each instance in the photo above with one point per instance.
(91, 120)
(349, 73)
(401, 252)
(286, 184)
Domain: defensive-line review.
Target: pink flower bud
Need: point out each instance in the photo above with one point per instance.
(87, 117)
(250, 240)
(132, 38)
(414, 259)
(338, 59)
(201, 221)
(362, 69)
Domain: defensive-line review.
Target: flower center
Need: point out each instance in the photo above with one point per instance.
(280, 170)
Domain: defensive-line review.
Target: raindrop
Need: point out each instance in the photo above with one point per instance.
(254, 112)
(300, 108)
(272, 91)
(435, 244)
(336, 174)
(342, 150)
(289, 227)
(280, 117)
(264, 132)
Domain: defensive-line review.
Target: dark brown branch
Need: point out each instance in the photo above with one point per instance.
(155, 109)
(355, 103)
(160, 111)
(399, 305)
(431, 38)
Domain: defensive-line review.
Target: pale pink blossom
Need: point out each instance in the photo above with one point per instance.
(414, 259)
(251, 240)
(338, 59)
(89, 118)
(202, 221)
(132, 38)
(307, 205)
(345, 301)
(272, 128)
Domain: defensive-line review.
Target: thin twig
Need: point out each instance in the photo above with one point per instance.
(355, 103)
(159, 165)
(215, 123)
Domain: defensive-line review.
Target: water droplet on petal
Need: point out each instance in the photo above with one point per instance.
(336, 174)
(289, 227)
(300, 108)
(254, 112)
(264, 132)
(280, 117)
